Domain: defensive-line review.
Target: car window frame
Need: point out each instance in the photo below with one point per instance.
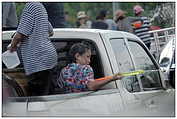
(133, 61)
(99, 56)
(131, 58)
(79, 40)
(152, 59)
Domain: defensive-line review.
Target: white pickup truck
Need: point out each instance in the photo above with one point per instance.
(112, 52)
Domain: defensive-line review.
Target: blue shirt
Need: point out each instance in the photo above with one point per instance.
(38, 52)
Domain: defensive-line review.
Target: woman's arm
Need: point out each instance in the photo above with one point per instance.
(96, 84)
(15, 41)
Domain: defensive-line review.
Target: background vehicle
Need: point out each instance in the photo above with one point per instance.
(112, 52)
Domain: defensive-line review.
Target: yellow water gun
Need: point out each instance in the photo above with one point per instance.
(137, 72)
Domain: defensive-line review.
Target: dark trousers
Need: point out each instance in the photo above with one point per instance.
(39, 83)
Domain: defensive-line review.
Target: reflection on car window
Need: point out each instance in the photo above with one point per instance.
(125, 63)
(151, 78)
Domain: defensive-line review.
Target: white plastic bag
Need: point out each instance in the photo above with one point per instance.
(10, 59)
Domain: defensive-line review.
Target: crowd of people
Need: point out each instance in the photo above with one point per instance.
(139, 25)
(40, 57)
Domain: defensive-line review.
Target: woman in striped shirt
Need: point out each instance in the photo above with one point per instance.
(38, 53)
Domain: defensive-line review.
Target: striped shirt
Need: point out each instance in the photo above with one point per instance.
(38, 52)
(143, 31)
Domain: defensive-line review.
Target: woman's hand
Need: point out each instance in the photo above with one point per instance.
(17, 37)
(117, 77)
(96, 84)
(12, 48)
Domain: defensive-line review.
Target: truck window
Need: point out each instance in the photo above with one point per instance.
(63, 46)
(125, 64)
(151, 78)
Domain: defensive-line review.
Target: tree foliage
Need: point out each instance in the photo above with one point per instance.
(19, 8)
(91, 8)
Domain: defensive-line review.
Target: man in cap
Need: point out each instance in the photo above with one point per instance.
(82, 20)
(143, 31)
(123, 22)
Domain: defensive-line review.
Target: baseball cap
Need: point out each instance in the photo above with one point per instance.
(81, 14)
(138, 9)
(119, 13)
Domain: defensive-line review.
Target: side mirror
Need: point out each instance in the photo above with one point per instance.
(163, 69)
(164, 62)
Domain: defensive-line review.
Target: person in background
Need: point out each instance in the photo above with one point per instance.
(55, 11)
(81, 20)
(143, 30)
(89, 22)
(38, 53)
(78, 76)
(9, 16)
(100, 21)
(111, 23)
(67, 18)
(124, 23)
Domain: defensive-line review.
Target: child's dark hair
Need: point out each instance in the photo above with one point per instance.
(80, 48)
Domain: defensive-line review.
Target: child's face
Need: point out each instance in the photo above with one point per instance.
(83, 59)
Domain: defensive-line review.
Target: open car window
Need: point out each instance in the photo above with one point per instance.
(63, 46)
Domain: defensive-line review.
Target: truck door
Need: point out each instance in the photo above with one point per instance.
(155, 100)
(143, 95)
